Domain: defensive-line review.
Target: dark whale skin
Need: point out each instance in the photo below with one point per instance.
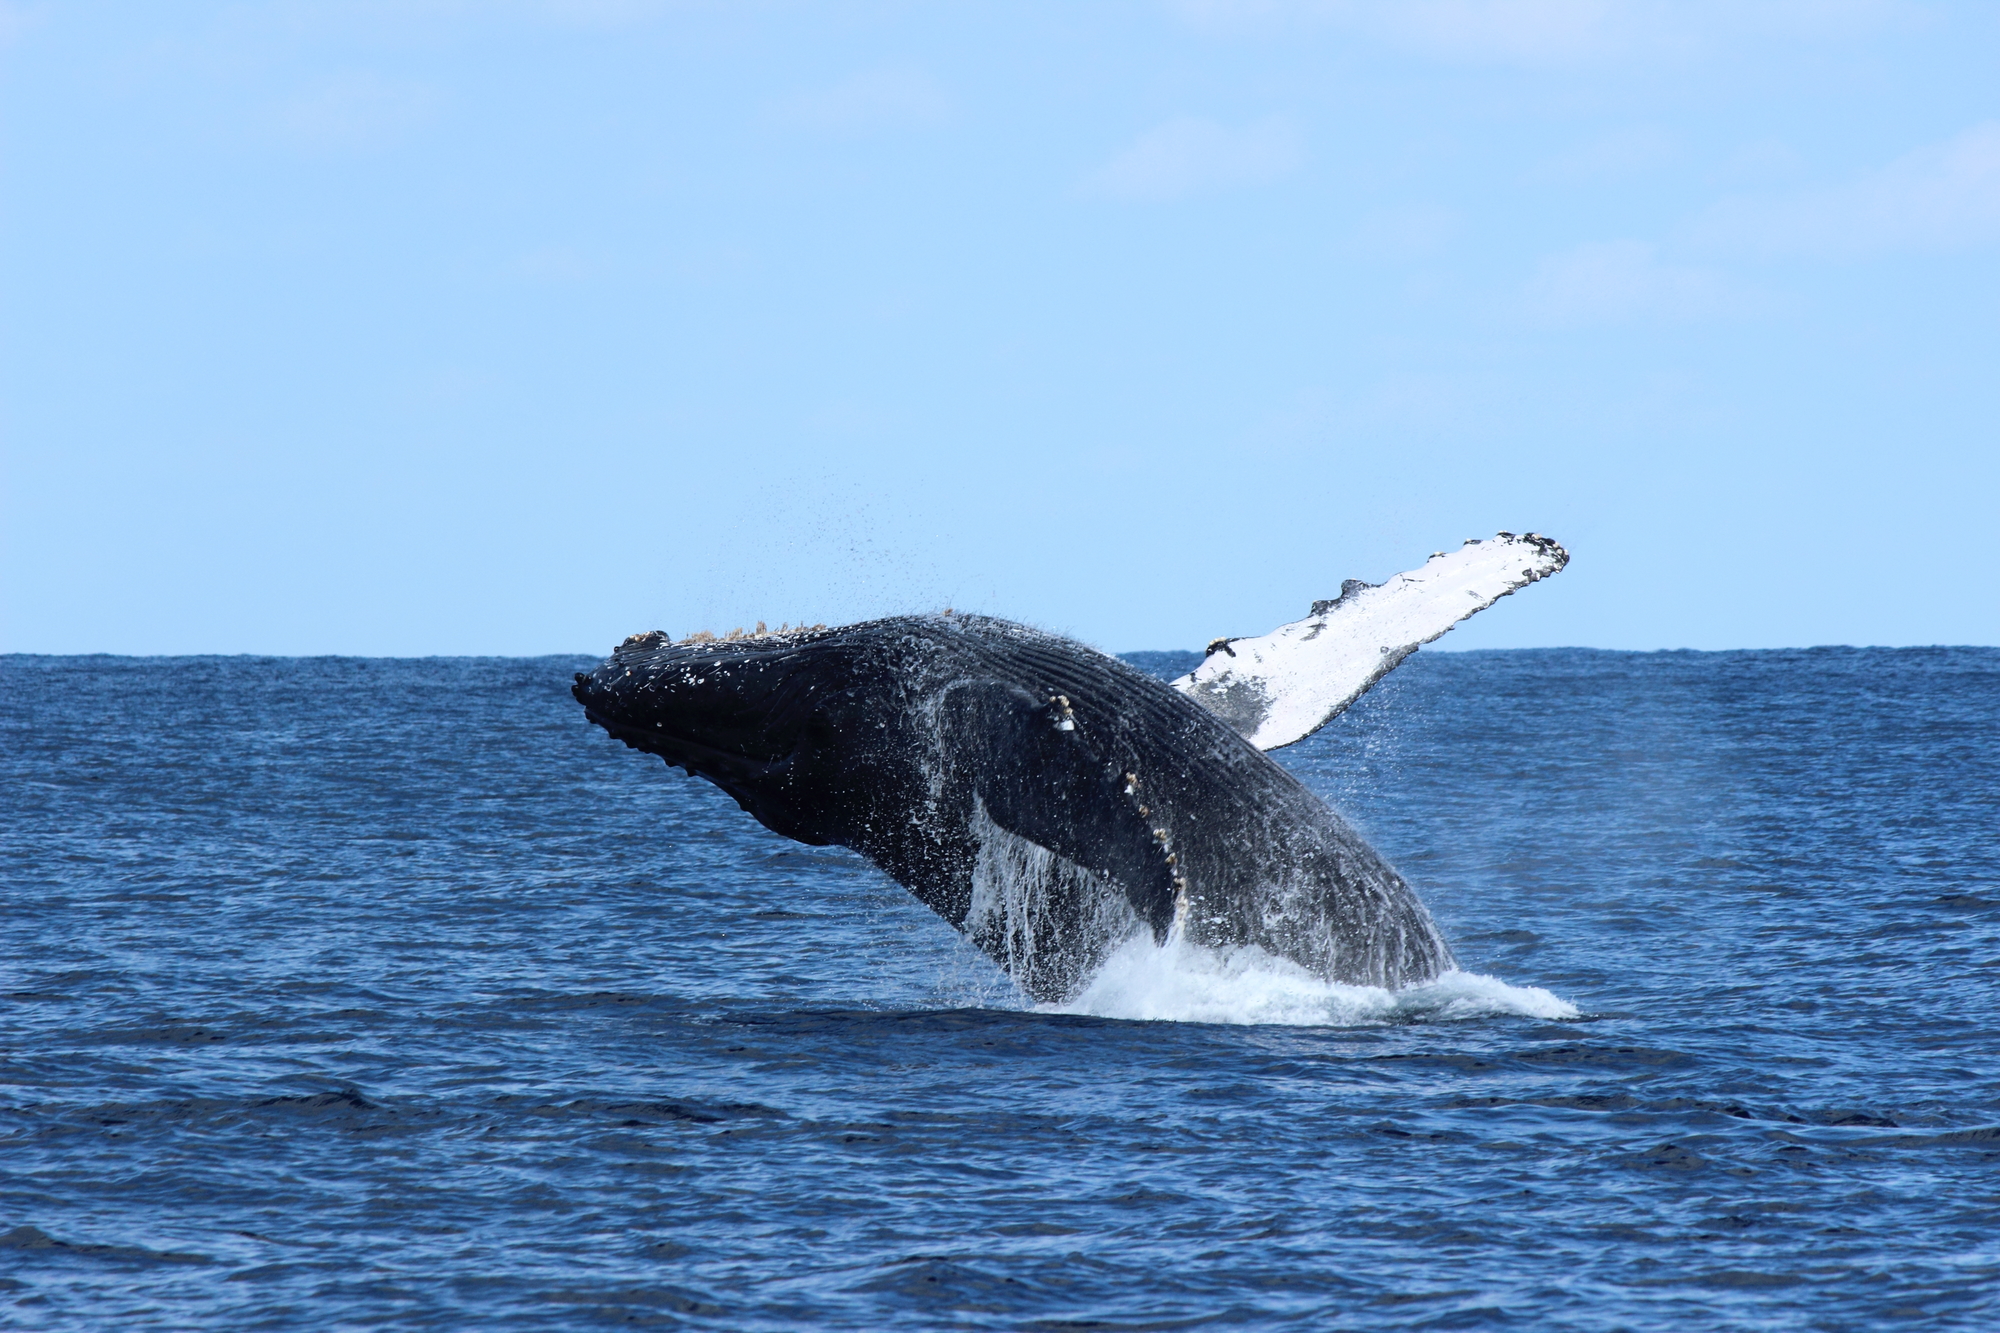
(959, 752)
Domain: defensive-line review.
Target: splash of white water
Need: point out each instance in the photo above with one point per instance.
(1189, 984)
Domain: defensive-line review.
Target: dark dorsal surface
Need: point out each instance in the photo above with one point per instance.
(1042, 797)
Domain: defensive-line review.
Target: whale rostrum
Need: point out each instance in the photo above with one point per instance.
(1050, 801)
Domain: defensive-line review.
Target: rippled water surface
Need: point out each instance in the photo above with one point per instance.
(348, 992)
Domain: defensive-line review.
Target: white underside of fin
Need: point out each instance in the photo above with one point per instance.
(1285, 685)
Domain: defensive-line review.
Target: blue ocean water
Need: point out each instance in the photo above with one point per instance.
(363, 993)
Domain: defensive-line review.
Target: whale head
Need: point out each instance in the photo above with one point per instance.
(750, 714)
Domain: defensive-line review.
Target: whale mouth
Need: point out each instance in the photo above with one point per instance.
(732, 770)
(711, 756)
(683, 752)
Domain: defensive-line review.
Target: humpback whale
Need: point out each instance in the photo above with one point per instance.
(1050, 801)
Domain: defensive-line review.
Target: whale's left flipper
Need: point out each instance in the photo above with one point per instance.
(1285, 685)
(1041, 779)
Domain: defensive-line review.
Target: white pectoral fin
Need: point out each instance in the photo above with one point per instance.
(1285, 685)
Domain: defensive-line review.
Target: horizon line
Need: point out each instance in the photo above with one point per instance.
(1128, 652)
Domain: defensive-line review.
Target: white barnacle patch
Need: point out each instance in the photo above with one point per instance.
(1065, 715)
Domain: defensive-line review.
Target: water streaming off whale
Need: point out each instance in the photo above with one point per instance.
(1017, 917)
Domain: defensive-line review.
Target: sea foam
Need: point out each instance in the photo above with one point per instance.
(1186, 983)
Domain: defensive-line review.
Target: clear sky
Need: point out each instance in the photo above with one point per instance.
(421, 327)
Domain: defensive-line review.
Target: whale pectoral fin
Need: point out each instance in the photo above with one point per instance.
(1043, 781)
(1285, 685)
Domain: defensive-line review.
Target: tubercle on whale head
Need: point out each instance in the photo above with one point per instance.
(654, 638)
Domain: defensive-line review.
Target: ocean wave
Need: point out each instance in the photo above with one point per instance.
(1186, 983)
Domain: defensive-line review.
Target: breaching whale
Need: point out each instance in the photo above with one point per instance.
(1050, 801)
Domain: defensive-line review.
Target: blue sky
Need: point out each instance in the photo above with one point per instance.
(426, 327)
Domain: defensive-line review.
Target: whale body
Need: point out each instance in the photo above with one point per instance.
(1050, 801)
(1043, 798)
